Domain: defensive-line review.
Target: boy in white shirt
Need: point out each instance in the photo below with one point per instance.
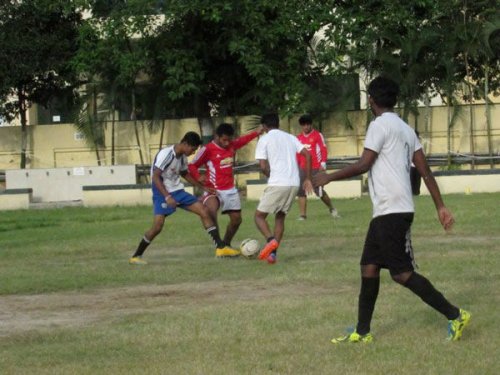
(391, 146)
(276, 152)
(169, 166)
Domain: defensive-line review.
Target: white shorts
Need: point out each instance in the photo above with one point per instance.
(277, 199)
(229, 200)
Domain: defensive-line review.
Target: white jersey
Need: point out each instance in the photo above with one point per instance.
(395, 142)
(280, 149)
(171, 167)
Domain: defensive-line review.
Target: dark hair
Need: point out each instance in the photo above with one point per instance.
(305, 119)
(192, 139)
(384, 92)
(271, 120)
(224, 129)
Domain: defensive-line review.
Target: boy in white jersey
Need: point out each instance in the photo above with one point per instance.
(277, 155)
(390, 148)
(168, 194)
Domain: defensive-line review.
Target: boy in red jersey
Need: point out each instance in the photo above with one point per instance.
(315, 144)
(218, 157)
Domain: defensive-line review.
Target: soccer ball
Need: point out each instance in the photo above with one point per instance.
(249, 247)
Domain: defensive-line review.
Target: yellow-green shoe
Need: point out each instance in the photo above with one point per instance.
(456, 326)
(137, 261)
(353, 338)
(226, 252)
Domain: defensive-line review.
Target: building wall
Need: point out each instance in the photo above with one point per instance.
(54, 146)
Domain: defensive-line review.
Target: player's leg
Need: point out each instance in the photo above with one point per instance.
(230, 204)
(325, 198)
(211, 202)
(262, 224)
(279, 225)
(221, 249)
(150, 234)
(233, 226)
(370, 283)
(277, 199)
(161, 211)
(302, 198)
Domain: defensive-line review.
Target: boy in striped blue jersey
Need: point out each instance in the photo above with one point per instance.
(169, 166)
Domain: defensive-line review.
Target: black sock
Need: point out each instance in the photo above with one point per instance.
(424, 289)
(366, 304)
(214, 233)
(142, 247)
(270, 239)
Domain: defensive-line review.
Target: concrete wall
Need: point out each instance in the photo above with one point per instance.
(65, 184)
(121, 195)
(15, 199)
(466, 182)
(351, 188)
(51, 146)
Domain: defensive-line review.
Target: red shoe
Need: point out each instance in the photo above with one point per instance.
(268, 249)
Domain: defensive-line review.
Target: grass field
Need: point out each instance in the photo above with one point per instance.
(71, 304)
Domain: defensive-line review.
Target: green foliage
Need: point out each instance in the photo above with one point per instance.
(37, 39)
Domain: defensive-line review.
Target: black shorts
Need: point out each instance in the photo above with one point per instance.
(388, 243)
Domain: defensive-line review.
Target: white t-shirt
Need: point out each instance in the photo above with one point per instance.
(395, 142)
(171, 167)
(280, 149)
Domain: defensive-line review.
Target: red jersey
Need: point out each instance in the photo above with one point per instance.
(315, 144)
(219, 162)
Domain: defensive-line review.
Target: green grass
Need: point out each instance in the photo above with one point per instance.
(71, 304)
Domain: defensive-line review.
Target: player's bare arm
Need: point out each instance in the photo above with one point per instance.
(193, 181)
(445, 216)
(363, 165)
(307, 186)
(264, 167)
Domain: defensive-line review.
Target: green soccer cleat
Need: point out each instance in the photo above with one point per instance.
(353, 338)
(226, 252)
(456, 326)
(137, 261)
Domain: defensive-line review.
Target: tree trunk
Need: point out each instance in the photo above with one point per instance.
(162, 132)
(94, 124)
(136, 129)
(488, 115)
(113, 128)
(24, 130)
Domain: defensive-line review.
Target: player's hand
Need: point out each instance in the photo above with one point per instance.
(308, 186)
(446, 218)
(210, 190)
(320, 179)
(170, 201)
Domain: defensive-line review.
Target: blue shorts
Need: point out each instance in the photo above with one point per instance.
(183, 198)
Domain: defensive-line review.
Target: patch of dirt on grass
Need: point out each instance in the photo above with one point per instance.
(41, 312)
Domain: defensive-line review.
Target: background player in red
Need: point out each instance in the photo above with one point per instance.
(218, 159)
(315, 144)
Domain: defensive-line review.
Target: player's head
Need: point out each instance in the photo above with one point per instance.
(224, 135)
(383, 92)
(305, 122)
(270, 121)
(190, 142)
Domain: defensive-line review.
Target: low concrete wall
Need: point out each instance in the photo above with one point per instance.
(351, 188)
(15, 199)
(65, 184)
(119, 195)
(466, 182)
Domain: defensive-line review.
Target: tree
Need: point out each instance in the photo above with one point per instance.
(233, 57)
(37, 39)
